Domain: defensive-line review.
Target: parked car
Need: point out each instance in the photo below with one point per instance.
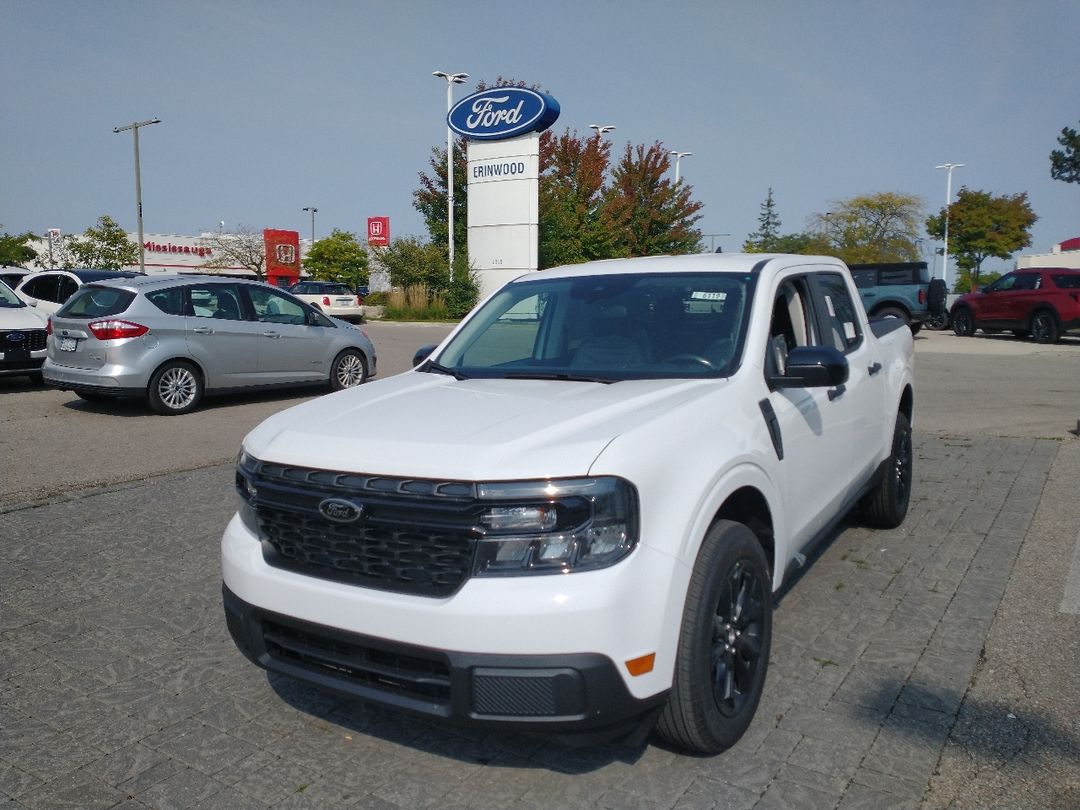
(172, 339)
(22, 337)
(49, 289)
(13, 275)
(574, 512)
(330, 298)
(900, 290)
(1040, 303)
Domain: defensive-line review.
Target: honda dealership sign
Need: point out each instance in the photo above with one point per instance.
(503, 125)
(378, 231)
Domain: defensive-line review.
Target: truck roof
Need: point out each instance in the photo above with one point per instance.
(694, 263)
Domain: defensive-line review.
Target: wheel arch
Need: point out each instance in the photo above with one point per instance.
(749, 506)
(181, 358)
(891, 304)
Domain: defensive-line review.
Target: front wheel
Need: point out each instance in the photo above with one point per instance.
(1044, 327)
(886, 505)
(963, 323)
(724, 642)
(174, 389)
(349, 370)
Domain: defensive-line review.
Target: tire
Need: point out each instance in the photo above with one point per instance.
(723, 652)
(937, 322)
(1044, 326)
(886, 505)
(963, 323)
(350, 369)
(936, 295)
(175, 388)
(915, 327)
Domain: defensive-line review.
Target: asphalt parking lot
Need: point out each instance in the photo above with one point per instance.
(929, 666)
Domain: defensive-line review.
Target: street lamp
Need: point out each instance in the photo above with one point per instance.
(679, 156)
(313, 211)
(601, 128)
(134, 127)
(451, 80)
(948, 202)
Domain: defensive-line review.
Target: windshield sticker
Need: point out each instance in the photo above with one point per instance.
(828, 303)
(849, 330)
(701, 295)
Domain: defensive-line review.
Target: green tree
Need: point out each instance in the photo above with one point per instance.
(246, 248)
(645, 213)
(572, 170)
(765, 238)
(430, 198)
(872, 228)
(1065, 162)
(14, 250)
(338, 257)
(980, 226)
(105, 247)
(411, 261)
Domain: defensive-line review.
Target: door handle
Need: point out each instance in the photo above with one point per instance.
(835, 393)
(271, 334)
(874, 369)
(203, 330)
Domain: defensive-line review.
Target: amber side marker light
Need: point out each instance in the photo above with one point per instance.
(642, 665)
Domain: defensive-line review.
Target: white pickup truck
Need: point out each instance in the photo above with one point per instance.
(572, 515)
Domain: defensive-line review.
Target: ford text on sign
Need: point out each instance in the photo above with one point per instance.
(378, 231)
(502, 112)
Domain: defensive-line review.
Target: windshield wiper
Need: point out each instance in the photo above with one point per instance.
(431, 365)
(557, 375)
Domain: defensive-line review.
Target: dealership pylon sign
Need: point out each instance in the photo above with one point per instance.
(503, 125)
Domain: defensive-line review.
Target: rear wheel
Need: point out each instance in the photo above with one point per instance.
(886, 505)
(349, 369)
(938, 322)
(174, 389)
(724, 643)
(1044, 327)
(963, 323)
(892, 312)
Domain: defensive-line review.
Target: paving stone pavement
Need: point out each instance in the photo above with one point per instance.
(119, 685)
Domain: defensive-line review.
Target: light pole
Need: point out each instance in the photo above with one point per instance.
(134, 127)
(451, 80)
(679, 156)
(313, 211)
(601, 128)
(948, 202)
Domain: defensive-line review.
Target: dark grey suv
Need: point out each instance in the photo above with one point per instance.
(171, 339)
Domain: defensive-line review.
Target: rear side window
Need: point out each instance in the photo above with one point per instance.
(841, 323)
(43, 287)
(170, 301)
(91, 301)
(904, 276)
(1069, 281)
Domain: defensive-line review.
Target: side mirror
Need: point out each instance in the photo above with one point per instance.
(423, 353)
(812, 367)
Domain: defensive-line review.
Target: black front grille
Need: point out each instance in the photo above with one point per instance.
(413, 536)
(29, 339)
(412, 676)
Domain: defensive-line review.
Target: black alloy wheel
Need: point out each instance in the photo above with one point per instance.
(736, 640)
(1044, 327)
(886, 505)
(963, 322)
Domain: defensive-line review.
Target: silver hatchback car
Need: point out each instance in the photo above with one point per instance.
(171, 339)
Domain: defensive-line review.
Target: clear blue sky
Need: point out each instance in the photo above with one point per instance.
(271, 106)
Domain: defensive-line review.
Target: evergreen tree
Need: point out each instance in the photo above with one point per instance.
(766, 238)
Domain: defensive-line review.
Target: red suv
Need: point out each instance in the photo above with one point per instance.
(1038, 302)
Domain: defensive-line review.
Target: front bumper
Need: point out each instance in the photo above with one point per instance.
(570, 694)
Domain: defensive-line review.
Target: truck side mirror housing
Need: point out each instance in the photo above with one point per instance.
(812, 367)
(423, 353)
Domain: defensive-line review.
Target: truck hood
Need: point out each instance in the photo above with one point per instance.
(422, 425)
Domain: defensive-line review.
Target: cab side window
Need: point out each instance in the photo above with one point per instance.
(790, 326)
(840, 323)
(43, 288)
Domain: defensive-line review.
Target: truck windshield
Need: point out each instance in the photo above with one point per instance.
(606, 328)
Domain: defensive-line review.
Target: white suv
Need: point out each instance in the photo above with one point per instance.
(330, 297)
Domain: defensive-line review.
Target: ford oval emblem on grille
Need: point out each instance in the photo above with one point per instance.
(340, 510)
(15, 337)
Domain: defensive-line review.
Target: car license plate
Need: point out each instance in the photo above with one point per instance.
(345, 301)
(67, 344)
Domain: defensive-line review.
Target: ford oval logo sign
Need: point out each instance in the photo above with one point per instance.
(502, 112)
(340, 510)
(15, 337)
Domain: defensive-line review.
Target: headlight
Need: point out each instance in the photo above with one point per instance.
(555, 527)
(245, 466)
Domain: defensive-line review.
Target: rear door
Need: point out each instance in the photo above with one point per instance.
(220, 336)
